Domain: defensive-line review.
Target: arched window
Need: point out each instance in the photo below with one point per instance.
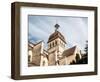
(50, 45)
(55, 42)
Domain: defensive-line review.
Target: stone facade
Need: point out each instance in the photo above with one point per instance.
(56, 53)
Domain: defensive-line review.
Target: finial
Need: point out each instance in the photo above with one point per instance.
(56, 27)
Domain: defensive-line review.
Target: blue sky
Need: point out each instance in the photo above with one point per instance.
(74, 29)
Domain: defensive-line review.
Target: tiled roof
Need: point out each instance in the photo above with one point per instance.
(68, 52)
(55, 35)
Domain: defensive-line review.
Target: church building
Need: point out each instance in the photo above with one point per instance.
(56, 52)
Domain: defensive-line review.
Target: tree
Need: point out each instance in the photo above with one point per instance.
(86, 48)
(85, 56)
(84, 59)
(77, 57)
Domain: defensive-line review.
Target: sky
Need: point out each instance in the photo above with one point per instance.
(74, 29)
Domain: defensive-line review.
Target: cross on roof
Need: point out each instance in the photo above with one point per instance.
(56, 27)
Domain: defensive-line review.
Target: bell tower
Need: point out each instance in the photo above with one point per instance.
(56, 45)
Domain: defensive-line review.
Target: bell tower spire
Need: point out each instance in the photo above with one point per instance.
(56, 46)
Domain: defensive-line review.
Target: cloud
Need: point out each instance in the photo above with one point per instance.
(74, 29)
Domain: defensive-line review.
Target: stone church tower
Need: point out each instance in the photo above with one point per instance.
(56, 46)
(55, 54)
